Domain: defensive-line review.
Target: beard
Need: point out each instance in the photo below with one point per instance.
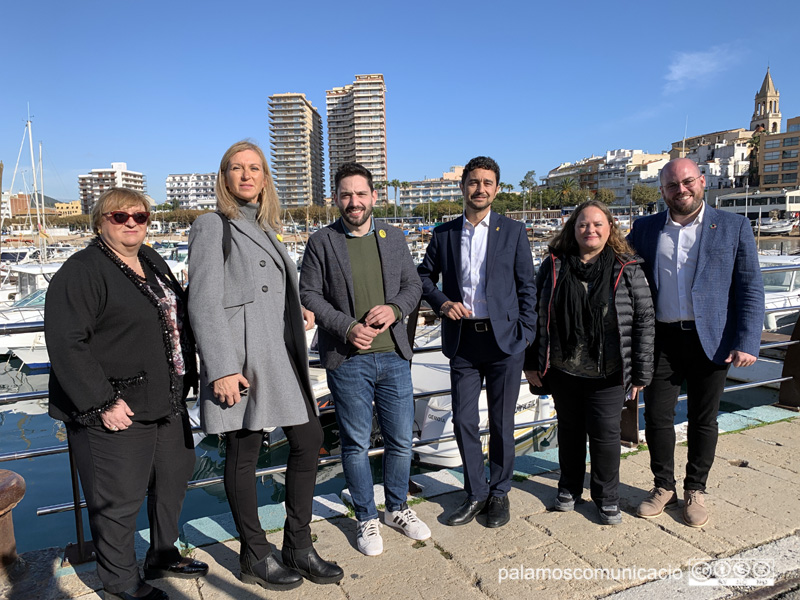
(686, 209)
(356, 221)
(478, 203)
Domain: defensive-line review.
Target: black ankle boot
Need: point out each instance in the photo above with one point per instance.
(311, 566)
(270, 574)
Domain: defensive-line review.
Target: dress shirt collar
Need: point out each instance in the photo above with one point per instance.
(698, 220)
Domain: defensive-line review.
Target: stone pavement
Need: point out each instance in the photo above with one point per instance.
(753, 535)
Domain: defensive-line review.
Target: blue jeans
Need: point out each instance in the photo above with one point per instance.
(384, 377)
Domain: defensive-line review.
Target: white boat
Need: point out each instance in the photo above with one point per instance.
(772, 226)
(781, 290)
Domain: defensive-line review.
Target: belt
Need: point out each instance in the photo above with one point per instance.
(682, 325)
(477, 325)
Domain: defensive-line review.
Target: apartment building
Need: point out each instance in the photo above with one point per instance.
(68, 209)
(441, 189)
(193, 191)
(624, 168)
(296, 150)
(97, 181)
(778, 165)
(357, 127)
(583, 173)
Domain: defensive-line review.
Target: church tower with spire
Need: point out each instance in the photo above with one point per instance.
(767, 114)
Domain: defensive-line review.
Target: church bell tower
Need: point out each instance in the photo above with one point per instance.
(767, 114)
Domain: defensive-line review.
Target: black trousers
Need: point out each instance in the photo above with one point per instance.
(116, 470)
(590, 407)
(680, 357)
(242, 451)
(476, 359)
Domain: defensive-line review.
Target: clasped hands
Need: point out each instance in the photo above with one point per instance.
(377, 320)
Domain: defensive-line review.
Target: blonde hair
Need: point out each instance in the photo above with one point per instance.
(117, 199)
(565, 243)
(268, 215)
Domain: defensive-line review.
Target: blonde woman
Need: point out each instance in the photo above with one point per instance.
(251, 338)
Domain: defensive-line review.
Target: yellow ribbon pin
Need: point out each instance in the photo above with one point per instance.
(280, 237)
(382, 233)
(497, 228)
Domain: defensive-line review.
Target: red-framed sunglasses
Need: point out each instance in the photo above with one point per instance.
(120, 217)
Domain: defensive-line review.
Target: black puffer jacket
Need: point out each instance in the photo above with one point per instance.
(635, 319)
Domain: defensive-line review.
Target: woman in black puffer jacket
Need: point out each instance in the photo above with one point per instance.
(593, 348)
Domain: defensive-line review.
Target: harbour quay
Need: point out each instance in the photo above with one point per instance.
(750, 548)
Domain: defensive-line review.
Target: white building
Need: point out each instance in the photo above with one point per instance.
(625, 168)
(295, 128)
(442, 189)
(357, 127)
(99, 180)
(193, 191)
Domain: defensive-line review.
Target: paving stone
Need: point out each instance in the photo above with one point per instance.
(735, 421)
(547, 571)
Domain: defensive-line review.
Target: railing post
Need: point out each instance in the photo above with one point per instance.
(789, 395)
(83, 551)
(12, 490)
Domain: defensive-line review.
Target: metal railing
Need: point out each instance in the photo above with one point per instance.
(82, 551)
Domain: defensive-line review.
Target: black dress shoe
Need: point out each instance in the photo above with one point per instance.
(270, 574)
(466, 512)
(498, 513)
(311, 565)
(181, 569)
(154, 594)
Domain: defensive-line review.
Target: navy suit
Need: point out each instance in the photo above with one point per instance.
(728, 303)
(494, 354)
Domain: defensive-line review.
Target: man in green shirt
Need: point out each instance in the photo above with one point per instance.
(359, 280)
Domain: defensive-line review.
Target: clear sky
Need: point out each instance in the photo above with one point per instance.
(167, 86)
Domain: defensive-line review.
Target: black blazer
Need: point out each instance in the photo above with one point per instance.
(104, 336)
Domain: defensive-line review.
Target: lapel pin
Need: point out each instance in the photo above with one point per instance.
(497, 228)
(712, 226)
(382, 233)
(280, 237)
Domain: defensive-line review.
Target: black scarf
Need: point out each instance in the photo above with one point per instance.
(176, 382)
(579, 315)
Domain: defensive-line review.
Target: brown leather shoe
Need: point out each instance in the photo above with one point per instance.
(656, 502)
(695, 513)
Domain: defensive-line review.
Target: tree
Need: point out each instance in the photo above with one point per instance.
(567, 189)
(644, 194)
(605, 195)
(528, 184)
(394, 183)
(381, 185)
(754, 143)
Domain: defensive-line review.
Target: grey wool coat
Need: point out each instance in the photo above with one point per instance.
(326, 287)
(246, 317)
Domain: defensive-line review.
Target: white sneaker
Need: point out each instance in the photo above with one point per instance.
(369, 538)
(406, 520)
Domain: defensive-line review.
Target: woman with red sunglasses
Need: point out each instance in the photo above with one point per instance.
(123, 359)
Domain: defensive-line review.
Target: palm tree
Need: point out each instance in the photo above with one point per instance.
(381, 185)
(405, 185)
(567, 186)
(394, 183)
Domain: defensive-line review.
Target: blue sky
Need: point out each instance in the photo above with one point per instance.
(168, 86)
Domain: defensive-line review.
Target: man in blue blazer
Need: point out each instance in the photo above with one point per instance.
(702, 266)
(488, 308)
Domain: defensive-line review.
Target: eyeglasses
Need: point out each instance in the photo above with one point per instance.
(120, 217)
(675, 186)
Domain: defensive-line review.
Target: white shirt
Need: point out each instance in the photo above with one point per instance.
(676, 261)
(473, 266)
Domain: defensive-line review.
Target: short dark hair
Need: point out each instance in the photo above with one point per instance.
(350, 169)
(481, 162)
